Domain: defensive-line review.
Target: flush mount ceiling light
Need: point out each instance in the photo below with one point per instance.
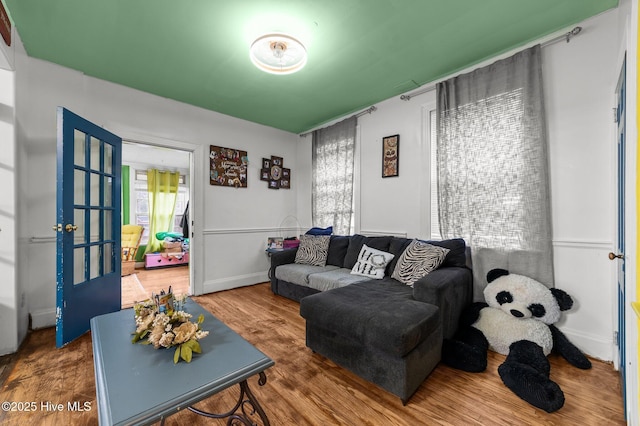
(278, 54)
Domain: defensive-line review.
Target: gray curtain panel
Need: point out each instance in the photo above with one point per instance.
(333, 159)
(493, 168)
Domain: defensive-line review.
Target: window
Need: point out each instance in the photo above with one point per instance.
(333, 168)
(141, 213)
(493, 177)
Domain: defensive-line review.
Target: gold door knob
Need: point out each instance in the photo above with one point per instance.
(613, 256)
(70, 228)
(57, 227)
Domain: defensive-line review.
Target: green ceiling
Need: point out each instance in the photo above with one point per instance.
(360, 51)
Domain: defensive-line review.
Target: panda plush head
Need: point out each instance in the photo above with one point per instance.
(524, 297)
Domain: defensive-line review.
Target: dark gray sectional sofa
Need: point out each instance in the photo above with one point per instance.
(387, 332)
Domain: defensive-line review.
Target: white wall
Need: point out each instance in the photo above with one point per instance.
(231, 225)
(8, 215)
(579, 84)
(13, 310)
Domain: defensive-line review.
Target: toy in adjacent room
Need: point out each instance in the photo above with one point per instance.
(517, 321)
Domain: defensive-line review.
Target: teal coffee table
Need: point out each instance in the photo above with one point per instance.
(138, 385)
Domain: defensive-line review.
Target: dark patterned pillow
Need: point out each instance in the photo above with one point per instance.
(417, 260)
(313, 250)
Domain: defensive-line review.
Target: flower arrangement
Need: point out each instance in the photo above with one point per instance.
(160, 325)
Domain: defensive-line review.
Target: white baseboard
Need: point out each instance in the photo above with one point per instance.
(43, 318)
(592, 345)
(228, 283)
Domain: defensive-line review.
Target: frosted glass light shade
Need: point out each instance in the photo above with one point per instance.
(278, 54)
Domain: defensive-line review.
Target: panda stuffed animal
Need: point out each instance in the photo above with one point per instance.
(517, 321)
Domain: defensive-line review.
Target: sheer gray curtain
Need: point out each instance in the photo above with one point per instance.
(493, 172)
(332, 191)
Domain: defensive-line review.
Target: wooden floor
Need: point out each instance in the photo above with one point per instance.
(307, 389)
(155, 280)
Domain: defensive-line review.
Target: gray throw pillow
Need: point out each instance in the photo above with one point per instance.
(417, 260)
(313, 250)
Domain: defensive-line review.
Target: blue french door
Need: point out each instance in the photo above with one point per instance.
(621, 132)
(88, 224)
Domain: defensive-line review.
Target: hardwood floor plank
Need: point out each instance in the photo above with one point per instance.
(304, 388)
(156, 280)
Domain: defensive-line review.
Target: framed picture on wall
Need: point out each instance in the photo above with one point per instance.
(274, 184)
(276, 161)
(265, 174)
(228, 167)
(390, 155)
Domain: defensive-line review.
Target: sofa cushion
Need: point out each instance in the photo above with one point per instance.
(313, 250)
(335, 278)
(298, 273)
(355, 245)
(377, 313)
(338, 246)
(417, 260)
(371, 263)
(396, 248)
(457, 255)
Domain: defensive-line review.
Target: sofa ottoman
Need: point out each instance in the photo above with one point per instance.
(376, 330)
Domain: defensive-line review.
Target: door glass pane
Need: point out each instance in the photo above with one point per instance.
(78, 187)
(78, 220)
(109, 266)
(94, 262)
(79, 148)
(78, 266)
(95, 189)
(108, 191)
(108, 229)
(108, 158)
(95, 225)
(95, 154)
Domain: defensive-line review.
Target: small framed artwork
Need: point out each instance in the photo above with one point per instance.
(390, 155)
(276, 161)
(266, 163)
(274, 184)
(275, 243)
(228, 167)
(265, 174)
(285, 180)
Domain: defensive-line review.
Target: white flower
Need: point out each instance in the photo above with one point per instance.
(200, 334)
(145, 323)
(166, 340)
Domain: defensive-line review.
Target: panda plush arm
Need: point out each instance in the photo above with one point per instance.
(566, 349)
(471, 314)
(467, 350)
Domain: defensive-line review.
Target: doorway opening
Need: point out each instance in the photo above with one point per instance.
(167, 265)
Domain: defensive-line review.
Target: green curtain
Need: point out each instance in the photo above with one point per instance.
(126, 216)
(163, 192)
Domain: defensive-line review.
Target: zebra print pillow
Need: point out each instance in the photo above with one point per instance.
(371, 262)
(417, 260)
(313, 250)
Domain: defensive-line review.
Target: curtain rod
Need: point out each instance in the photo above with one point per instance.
(369, 110)
(566, 36)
